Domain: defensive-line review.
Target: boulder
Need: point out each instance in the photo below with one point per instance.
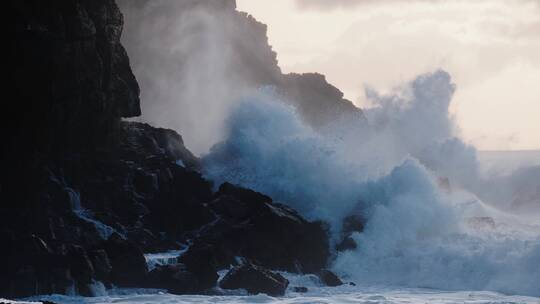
(252, 226)
(300, 289)
(351, 224)
(128, 265)
(102, 265)
(81, 269)
(348, 243)
(255, 279)
(202, 260)
(329, 278)
(175, 278)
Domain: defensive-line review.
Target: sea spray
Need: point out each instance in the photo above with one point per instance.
(416, 233)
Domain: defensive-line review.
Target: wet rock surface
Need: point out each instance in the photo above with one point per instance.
(178, 279)
(251, 225)
(254, 279)
(329, 278)
(351, 224)
(84, 194)
(93, 214)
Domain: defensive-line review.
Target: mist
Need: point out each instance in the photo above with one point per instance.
(392, 175)
(194, 60)
(401, 165)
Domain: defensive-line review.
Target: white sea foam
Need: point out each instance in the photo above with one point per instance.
(163, 258)
(329, 295)
(417, 234)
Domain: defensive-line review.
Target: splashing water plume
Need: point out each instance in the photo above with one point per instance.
(417, 232)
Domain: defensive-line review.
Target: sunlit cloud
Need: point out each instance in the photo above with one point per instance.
(491, 49)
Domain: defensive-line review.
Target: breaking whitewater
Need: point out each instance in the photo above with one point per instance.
(440, 228)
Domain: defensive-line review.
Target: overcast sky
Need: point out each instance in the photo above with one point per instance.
(491, 49)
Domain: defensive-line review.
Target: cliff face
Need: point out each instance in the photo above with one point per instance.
(197, 58)
(320, 103)
(84, 194)
(71, 76)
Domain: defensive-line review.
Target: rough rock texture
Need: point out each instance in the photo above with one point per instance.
(351, 224)
(245, 60)
(71, 76)
(320, 103)
(84, 194)
(178, 279)
(255, 279)
(300, 289)
(251, 225)
(329, 278)
(90, 215)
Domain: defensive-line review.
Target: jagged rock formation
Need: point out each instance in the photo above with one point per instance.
(85, 194)
(320, 103)
(71, 76)
(329, 278)
(93, 214)
(254, 279)
(178, 45)
(251, 225)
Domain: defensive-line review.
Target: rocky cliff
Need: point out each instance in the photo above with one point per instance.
(179, 47)
(84, 195)
(71, 76)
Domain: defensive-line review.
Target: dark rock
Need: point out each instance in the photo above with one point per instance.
(319, 103)
(329, 278)
(71, 73)
(253, 60)
(201, 260)
(347, 243)
(29, 267)
(300, 289)
(352, 283)
(24, 281)
(102, 265)
(252, 226)
(81, 268)
(175, 279)
(351, 224)
(85, 193)
(128, 265)
(255, 279)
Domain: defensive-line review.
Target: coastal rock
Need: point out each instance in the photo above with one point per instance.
(300, 289)
(351, 224)
(329, 278)
(348, 243)
(201, 260)
(102, 265)
(86, 194)
(71, 73)
(81, 269)
(128, 265)
(255, 279)
(175, 278)
(252, 226)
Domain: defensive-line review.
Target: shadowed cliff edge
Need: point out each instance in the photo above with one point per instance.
(85, 194)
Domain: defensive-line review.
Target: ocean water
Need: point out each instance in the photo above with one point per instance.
(432, 218)
(440, 225)
(316, 294)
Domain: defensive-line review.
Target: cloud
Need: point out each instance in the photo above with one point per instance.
(341, 4)
(334, 4)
